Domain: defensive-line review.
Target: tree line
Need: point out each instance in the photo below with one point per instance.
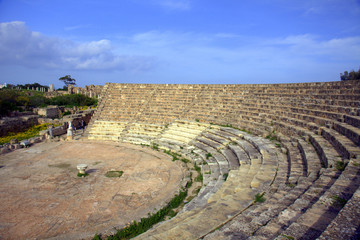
(17, 100)
(352, 75)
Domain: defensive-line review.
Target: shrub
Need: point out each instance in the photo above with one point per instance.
(199, 178)
(29, 133)
(259, 198)
(340, 165)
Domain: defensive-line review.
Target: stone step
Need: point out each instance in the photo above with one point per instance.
(315, 220)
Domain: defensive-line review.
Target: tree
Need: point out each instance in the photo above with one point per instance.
(68, 80)
(350, 75)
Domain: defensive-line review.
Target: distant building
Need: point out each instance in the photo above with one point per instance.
(3, 85)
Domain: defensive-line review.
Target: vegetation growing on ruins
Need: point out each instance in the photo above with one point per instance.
(259, 198)
(20, 100)
(137, 228)
(29, 133)
(338, 201)
(340, 165)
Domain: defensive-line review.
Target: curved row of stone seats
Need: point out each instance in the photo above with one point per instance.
(212, 178)
(181, 132)
(235, 194)
(329, 134)
(343, 149)
(264, 215)
(340, 227)
(168, 103)
(141, 133)
(285, 209)
(106, 130)
(309, 223)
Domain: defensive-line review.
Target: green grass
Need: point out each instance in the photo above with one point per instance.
(199, 178)
(208, 155)
(291, 185)
(113, 174)
(340, 165)
(288, 237)
(197, 168)
(259, 198)
(137, 228)
(29, 133)
(184, 160)
(82, 174)
(175, 156)
(338, 201)
(155, 146)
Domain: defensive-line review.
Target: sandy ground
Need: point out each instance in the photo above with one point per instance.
(41, 196)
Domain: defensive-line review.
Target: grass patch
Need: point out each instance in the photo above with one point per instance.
(288, 237)
(184, 160)
(338, 201)
(174, 155)
(137, 228)
(291, 185)
(82, 174)
(340, 165)
(197, 168)
(225, 176)
(208, 155)
(259, 198)
(155, 146)
(113, 174)
(199, 178)
(272, 136)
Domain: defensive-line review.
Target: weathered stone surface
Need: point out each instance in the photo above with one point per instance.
(42, 197)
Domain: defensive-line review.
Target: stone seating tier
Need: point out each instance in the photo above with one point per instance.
(315, 129)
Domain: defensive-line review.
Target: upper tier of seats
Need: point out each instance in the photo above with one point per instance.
(308, 167)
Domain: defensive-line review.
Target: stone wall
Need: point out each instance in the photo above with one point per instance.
(17, 124)
(78, 117)
(49, 112)
(90, 91)
(55, 94)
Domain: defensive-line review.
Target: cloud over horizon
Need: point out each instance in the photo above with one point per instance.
(21, 46)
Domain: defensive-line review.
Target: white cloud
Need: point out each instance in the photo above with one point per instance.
(175, 4)
(225, 55)
(21, 46)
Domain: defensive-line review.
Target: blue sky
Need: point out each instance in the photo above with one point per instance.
(178, 41)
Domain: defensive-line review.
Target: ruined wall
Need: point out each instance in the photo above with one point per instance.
(49, 112)
(90, 91)
(17, 124)
(55, 94)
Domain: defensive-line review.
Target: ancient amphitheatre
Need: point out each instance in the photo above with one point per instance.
(298, 145)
